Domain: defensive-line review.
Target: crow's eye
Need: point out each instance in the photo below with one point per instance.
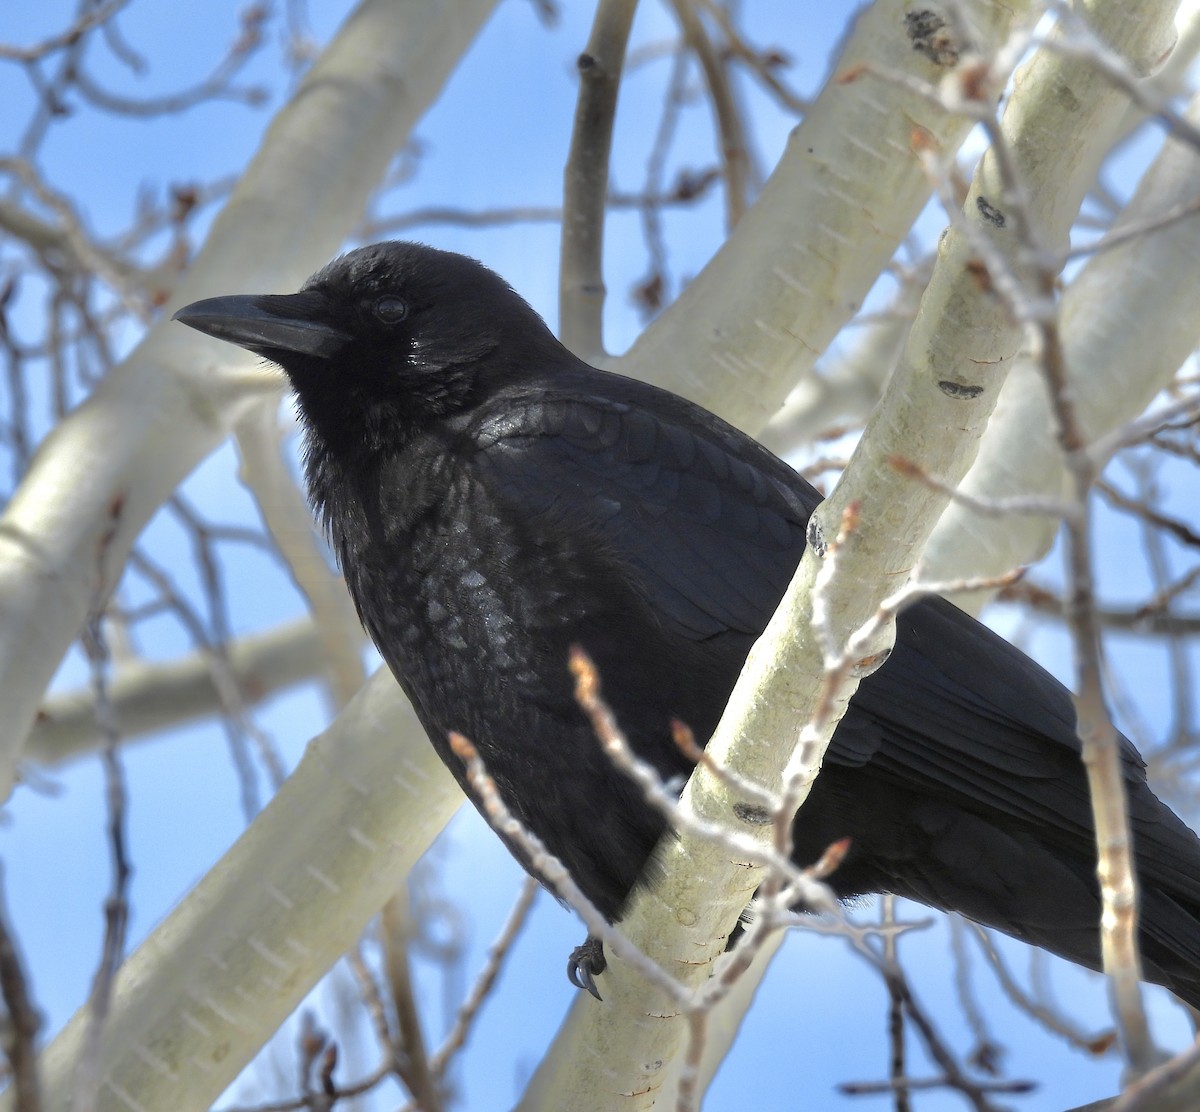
(390, 309)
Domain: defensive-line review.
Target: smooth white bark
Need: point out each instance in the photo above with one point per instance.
(842, 198)
(1128, 321)
(199, 997)
(150, 697)
(212, 983)
(106, 468)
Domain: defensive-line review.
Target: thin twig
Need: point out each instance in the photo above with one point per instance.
(897, 1071)
(21, 1024)
(413, 1064)
(652, 291)
(953, 1076)
(1042, 1013)
(372, 999)
(486, 980)
(1152, 618)
(1101, 758)
(585, 181)
(762, 64)
(987, 1052)
(553, 872)
(735, 154)
(84, 22)
(587, 693)
(116, 905)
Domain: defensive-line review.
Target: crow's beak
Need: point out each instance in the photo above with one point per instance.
(271, 325)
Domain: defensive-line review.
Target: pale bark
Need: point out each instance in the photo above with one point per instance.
(842, 198)
(105, 469)
(213, 981)
(1128, 321)
(149, 697)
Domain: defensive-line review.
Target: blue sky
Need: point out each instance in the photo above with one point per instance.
(498, 136)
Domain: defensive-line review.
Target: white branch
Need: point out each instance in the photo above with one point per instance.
(151, 696)
(847, 385)
(212, 983)
(800, 262)
(106, 468)
(1128, 322)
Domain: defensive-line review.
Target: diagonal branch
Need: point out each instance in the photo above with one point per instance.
(118, 456)
(212, 982)
(829, 218)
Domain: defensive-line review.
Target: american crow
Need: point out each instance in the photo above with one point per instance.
(493, 500)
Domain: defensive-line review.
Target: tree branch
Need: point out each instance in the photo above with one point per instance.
(585, 181)
(212, 982)
(842, 198)
(1128, 322)
(120, 454)
(150, 696)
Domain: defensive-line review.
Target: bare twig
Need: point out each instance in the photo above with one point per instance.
(762, 63)
(486, 979)
(585, 182)
(901, 1086)
(327, 1099)
(116, 905)
(1080, 41)
(21, 1023)
(799, 881)
(1049, 1017)
(217, 86)
(685, 742)
(953, 1077)
(88, 255)
(372, 1000)
(652, 291)
(897, 1071)
(1153, 618)
(1118, 883)
(689, 189)
(1154, 546)
(989, 507)
(84, 22)
(735, 154)
(1143, 508)
(413, 1063)
(238, 723)
(1182, 211)
(552, 871)
(987, 1051)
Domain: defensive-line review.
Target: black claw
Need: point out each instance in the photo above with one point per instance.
(585, 964)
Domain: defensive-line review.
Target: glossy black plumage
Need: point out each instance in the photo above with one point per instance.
(492, 500)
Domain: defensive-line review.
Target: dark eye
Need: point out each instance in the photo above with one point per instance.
(390, 308)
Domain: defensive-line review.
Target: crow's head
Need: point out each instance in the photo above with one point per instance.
(417, 331)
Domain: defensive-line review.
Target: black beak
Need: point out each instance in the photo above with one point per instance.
(271, 325)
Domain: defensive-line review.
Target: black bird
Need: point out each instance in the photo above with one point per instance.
(493, 500)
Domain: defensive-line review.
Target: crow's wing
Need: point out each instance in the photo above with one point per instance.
(710, 526)
(709, 534)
